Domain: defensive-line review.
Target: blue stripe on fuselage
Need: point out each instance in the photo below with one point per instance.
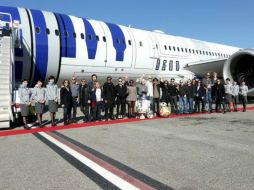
(41, 46)
(91, 41)
(118, 40)
(62, 37)
(68, 43)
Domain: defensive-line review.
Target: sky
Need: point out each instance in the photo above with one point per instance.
(229, 22)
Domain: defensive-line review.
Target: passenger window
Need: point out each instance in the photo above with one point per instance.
(193, 51)
(117, 41)
(200, 52)
(141, 44)
(104, 39)
(174, 48)
(74, 35)
(182, 49)
(169, 47)
(177, 66)
(90, 37)
(157, 64)
(186, 50)
(171, 65)
(97, 38)
(178, 49)
(82, 36)
(165, 47)
(156, 46)
(47, 31)
(197, 51)
(190, 50)
(129, 41)
(164, 65)
(37, 30)
(56, 32)
(206, 53)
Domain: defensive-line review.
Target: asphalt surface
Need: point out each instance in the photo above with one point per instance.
(210, 151)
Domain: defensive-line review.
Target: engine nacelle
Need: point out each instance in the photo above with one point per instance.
(240, 67)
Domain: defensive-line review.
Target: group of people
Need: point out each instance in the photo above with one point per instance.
(94, 98)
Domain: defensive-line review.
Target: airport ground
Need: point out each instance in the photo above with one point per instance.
(200, 151)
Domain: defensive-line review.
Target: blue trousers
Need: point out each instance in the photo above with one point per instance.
(183, 104)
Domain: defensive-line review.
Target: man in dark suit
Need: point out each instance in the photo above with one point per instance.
(109, 98)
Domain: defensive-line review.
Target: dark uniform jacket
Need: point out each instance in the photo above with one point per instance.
(84, 95)
(172, 90)
(219, 91)
(109, 94)
(121, 91)
(66, 97)
(190, 91)
(182, 90)
(165, 92)
(200, 92)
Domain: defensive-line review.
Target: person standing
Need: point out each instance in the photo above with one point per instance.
(235, 95)
(52, 97)
(75, 93)
(219, 92)
(131, 98)
(84, 100)
(173, 93)
(66, 100)
(97, 102)
(156, 97)
(200, 96)
(39, 95)
(182, 93)
(190, 96)
(25, 96)
(149, 85)
(121, 93)
(228, 94)
(165, 91)
(243, 90)
(109, 98)
(208, 83)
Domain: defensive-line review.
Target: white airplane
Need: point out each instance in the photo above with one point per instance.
(63, 46)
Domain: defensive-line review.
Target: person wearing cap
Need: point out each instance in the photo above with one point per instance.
(109, 98)
(173, 93)
(84, 100)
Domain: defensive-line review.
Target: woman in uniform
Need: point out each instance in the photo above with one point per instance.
(52, 97)
(39, 96)
(25, 96)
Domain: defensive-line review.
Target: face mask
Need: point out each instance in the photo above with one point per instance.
(51, 82)
(24, 85)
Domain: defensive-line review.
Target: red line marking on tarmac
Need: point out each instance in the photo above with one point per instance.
(94, 124)
(103, 164)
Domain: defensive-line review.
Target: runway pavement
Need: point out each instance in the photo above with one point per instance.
(207, 151)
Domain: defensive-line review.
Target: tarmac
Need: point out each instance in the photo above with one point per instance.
(186, 152)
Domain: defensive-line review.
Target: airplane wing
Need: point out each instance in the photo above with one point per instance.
(202, 67)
